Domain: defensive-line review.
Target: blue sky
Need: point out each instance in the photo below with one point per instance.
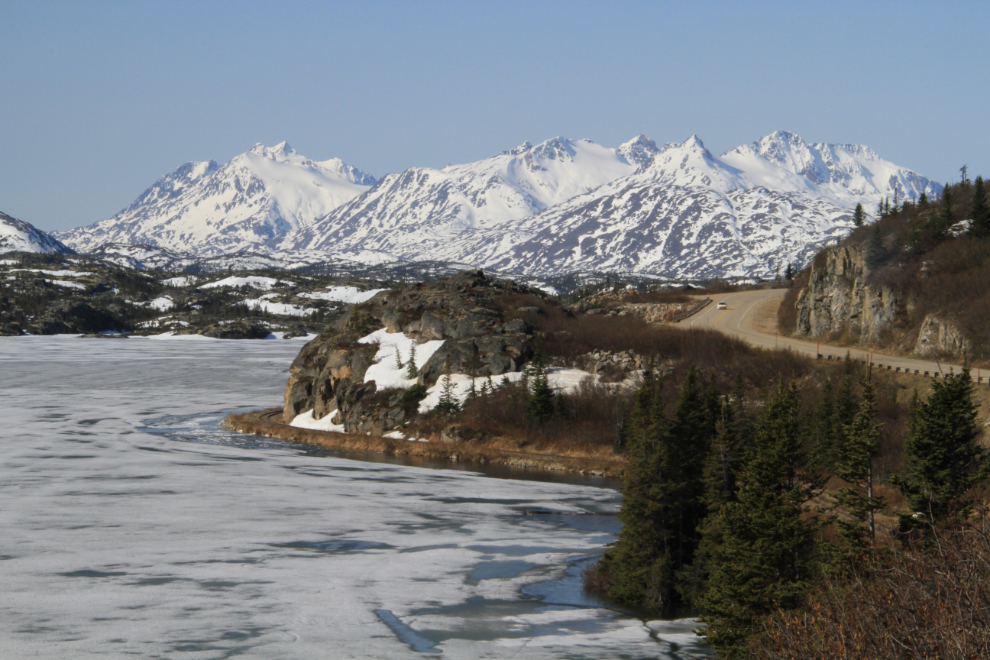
(99, 99)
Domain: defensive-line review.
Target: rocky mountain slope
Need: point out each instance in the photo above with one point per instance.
(252, 200)
(414, 214)
(914, 283)
(19, 236)
(57, 294)
(682, 213)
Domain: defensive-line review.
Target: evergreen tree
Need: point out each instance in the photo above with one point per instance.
(765, 558)
(398, 358)
(662, 497)
(874, 248)
(979, 213)
(855, 465)
(825, 442)
(540, 405)
(789, 273)
(448, 403)
(923, 200)
(411, 371)
(720, 472)
(844, 408)
(940, 224)
(944, 459)
(859, 216)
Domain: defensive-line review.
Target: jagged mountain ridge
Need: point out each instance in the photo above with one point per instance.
(20, 236)
(560, 206)
(420, 210)
(682, 214)
(252, 200)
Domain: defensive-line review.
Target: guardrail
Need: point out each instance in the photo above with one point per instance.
(691, 312)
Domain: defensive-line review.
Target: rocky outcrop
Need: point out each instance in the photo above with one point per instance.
(73, 317)
(478, 318)
(839, 300)
(938, 337)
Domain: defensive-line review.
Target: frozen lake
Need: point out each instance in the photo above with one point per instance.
(132, 525)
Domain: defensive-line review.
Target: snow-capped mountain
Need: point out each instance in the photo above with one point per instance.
(848, 173)
(19, 236)
(417, 212)
(688, 214)
(252, 200)
(557, 207)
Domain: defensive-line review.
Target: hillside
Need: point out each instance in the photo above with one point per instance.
(915, 282)
(20, 236)
(56, 294)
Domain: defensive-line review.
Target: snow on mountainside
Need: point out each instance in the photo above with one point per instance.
(688, 214)
(252, 200)
(557, 207)
(845, 172)
(19, 236)
(418, 211)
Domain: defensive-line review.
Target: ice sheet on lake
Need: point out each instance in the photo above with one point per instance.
(195, 542)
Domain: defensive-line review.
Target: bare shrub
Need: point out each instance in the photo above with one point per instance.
(928, 600)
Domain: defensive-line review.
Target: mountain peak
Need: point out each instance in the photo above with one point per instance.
(694, 142)
(639, 150)
(279, 151)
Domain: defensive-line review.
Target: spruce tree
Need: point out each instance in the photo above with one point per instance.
(824, 440)
(398, 358)
(638, 564)
(764, 561)
(662, 497)
(720, 472)
(448, 403)
(941, 223)
(979, 212)
(540, 405)
(875, 250)
(855, 465)
(944, 459)
(411, 371)
(859, 216)
(923, 200)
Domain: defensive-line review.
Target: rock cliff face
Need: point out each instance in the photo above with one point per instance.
(940, 337)
(477, 318)
(839, 301)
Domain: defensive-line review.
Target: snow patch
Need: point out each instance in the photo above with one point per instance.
(263, 283)
(385, 371)
(305, 421)
(345, 294)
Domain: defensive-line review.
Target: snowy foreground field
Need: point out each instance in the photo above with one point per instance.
(132, 525)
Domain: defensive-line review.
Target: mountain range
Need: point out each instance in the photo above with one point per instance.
(561, 206)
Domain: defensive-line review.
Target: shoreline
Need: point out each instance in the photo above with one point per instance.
(262, 422)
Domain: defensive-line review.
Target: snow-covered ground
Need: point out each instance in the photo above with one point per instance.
(284, 309)
(133, 525)
(254, 281)
(345, 294)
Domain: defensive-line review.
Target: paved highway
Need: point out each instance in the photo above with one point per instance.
(742, 319)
